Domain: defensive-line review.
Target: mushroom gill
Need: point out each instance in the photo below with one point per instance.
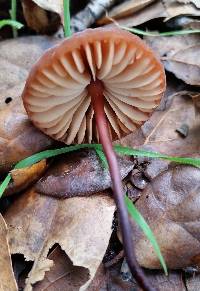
(57, 98)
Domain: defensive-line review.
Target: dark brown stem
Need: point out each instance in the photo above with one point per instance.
(96, 92)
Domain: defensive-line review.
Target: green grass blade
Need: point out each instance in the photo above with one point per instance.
(167, 33)
(119, 149)
(66, 9)
(10, 22)
(139, 219)
(142, 153)
(102, 157)
(4, 184)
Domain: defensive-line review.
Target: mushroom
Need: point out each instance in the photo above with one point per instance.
(98, 85)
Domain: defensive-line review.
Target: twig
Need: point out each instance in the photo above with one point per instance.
(93, 11)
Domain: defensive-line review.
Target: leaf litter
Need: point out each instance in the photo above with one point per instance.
(168, 200)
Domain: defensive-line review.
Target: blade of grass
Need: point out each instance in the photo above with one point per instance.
(66, 9)
(10, 22)
(167, 33)
(102, 157)
(119, 149)
(4, 184)
(139, 219)
(142, 153)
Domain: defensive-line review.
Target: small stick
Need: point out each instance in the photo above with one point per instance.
(93, 11)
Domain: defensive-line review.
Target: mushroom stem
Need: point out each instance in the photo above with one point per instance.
(97, 98)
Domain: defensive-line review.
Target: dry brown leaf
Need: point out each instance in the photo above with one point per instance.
(160, 9)
(16, 58)
(171, 206)
(38, 19)
(38, 222)
(170, 203)
(63, 275)
(125, 9)
(152, 11)
(79, 174)
(159, 132)
(22, 178)
(7, 279)
(180, 55)
(18, 137)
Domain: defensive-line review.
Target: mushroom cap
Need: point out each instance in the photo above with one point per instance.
(56, 95)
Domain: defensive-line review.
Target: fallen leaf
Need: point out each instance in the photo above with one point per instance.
(18, 137)
(16, 58)
(79, 174)
(38, 19)
(125, 9)
(63, 275)
(171, 206)
(22, 178)
(159, 132)
(152, 11)
(179, 55)
(7, 279)
(36, 223)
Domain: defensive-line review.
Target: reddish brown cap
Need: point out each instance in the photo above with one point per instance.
(56, 96)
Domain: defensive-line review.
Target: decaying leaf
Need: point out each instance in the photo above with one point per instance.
(18, 137)
(7, 279)
(22, 178)
(63, 275)
(159, 132)
(125, 9)
(170, 202)
(78, 174)
(180, 56)
(38, 19)
(171, 206)
(16, 58)
(36, 223)
(136, 12)
(152, 11)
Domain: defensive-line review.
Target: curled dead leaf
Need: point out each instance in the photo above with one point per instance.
(125, 9)
(22, 178)
(77, 175)
(36, 223)
(38, 19)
